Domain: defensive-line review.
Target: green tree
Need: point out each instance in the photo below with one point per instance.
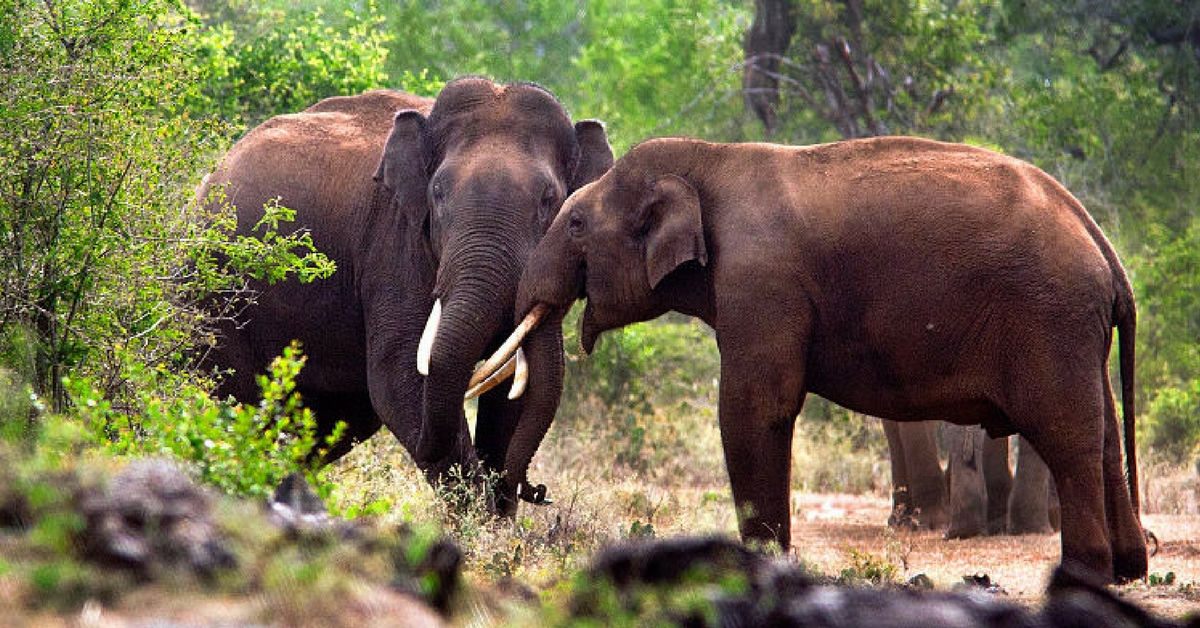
(102, 251)
(256, 60)
(840, 69)
(659, 67)
(92, 177)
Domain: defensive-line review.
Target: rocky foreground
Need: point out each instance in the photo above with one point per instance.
(147, 547)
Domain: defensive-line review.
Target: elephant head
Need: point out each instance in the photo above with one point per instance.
(623, 263)
(478, 181)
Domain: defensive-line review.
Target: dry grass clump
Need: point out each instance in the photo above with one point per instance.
(614, 474)
(617, 474)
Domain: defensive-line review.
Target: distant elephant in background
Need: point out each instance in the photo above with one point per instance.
(977, 494)
(986, 497)
(919, 496)
(427, 207)
(902, 278)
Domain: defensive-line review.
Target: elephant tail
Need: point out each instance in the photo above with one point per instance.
(1125, 316)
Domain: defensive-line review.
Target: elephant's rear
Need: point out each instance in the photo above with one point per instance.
(1123, 318)
(318, 163)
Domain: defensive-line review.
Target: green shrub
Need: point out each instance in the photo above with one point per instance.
(866, 568)
(1173, 421)
(242, 449)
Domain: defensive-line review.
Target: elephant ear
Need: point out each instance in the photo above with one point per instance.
(595, 153)
(670, 216)
(404, 166)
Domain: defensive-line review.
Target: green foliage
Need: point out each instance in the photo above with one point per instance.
(239, 448)
(1158, 580)
(508, 41)
(1173, 421)
(866, 568)
(263, 59)
(645, 80)
(634, 366)
(219, 261)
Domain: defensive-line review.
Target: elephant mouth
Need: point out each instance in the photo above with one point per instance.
(589, 329)
(509, 359)
(492, 372)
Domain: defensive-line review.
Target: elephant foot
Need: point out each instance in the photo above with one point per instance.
(965, 530)
(1018, 529)
(1133, 562)
(1036, 521)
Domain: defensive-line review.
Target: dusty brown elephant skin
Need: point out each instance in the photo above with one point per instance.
(901, 278)
(417, 201)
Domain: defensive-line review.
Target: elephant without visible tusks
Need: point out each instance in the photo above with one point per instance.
(430, 208)
(902, 278)
(977, 494)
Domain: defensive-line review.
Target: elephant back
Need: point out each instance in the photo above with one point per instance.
(374, 109)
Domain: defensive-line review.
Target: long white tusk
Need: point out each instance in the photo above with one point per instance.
(491, 382)
(425, 347)
(510, 346)
(520, 377)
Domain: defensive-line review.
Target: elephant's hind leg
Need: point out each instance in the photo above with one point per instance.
(1125, 530)
(1068, 431)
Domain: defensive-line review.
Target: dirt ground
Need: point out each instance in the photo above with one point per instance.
(826, 526)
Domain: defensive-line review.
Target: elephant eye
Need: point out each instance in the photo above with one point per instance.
(437, 192)
(548, 204)
(575, 225)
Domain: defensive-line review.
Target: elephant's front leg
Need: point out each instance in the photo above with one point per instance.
(495, 422)
(761, 393)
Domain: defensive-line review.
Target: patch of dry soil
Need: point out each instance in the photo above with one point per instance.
(825, 528)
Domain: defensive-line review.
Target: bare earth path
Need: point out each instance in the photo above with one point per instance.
(826, 526)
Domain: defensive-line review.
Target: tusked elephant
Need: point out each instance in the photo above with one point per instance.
(430, 208)
(902, 278)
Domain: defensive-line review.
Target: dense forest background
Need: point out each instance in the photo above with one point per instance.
(112, 111)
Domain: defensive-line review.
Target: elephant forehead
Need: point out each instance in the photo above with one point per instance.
(527, 120)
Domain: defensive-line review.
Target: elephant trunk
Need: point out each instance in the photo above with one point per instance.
(469, 319)
(544, 346)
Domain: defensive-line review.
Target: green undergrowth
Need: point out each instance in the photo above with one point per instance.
(300, 576)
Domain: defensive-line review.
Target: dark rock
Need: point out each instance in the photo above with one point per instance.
(688, 582)
(296, 508)
(432, 576)
(152, 516)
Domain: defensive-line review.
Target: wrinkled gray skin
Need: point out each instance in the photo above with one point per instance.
(919, 497)
(977, 494)
(415, 200)
(986, 497)
(902, 278)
